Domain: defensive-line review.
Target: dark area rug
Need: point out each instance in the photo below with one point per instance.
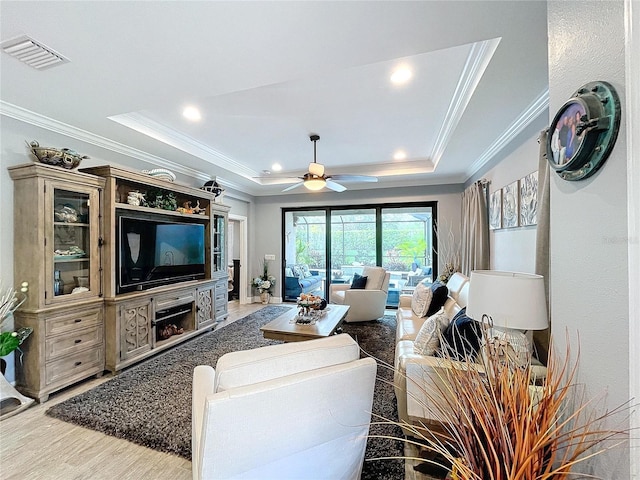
(150, 403)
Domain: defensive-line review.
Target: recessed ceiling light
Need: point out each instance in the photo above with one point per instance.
(276, 167)
(401, 75)
(191, 113)
(400, 155)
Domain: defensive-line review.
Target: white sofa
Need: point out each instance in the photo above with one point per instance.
(365, 304)
(407, 327)
(287, 411)
(418, 379)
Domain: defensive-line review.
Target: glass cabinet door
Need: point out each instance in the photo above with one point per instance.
(219, 247)
(73, 244)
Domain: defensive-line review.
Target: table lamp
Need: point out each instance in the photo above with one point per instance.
(508, 303)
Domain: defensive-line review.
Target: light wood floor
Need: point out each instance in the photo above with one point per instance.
(34, 446)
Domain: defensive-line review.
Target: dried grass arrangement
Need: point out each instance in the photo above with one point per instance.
(497, 426)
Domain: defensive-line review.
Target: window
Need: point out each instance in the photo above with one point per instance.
(331, 244)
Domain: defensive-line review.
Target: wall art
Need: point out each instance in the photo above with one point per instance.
(495, 210)
(510, 211)
(529, 199)
(584, 131)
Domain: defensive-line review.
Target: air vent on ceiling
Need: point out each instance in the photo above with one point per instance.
(33, 53)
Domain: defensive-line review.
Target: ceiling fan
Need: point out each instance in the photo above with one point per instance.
(315, 179)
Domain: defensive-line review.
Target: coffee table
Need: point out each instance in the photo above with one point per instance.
(282, 328)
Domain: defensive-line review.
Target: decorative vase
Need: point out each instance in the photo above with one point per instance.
(58, 284)
(265, 297)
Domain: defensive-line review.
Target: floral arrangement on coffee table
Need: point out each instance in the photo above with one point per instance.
(308, 303)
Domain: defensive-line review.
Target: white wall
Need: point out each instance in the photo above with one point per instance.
(589, 238)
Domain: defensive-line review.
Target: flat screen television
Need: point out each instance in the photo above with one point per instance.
(154, 252)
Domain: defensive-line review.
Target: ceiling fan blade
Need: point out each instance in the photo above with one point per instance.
(354, 178)
(295, 185)
(336, 187)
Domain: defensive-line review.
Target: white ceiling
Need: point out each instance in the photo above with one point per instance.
(266, 74)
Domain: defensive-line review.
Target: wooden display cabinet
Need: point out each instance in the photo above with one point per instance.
(66, 247)
(57, 250)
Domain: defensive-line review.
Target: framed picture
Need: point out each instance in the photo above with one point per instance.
(529, 199)
(495, 210)
(566, 138)
(510, 211)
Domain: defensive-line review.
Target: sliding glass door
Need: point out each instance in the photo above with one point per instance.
(329, 245)
(407, 246)
(353, 242)
(305, 254)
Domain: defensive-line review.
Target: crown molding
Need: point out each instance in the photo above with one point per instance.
(47, 123)
(143, 124)
(533, 111)
(477, 61)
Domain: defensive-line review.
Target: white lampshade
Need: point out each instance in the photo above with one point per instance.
(512, 300)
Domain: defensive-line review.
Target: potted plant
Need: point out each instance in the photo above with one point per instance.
(264, 283)
(11, 401)
(495, 424)
(9, 303)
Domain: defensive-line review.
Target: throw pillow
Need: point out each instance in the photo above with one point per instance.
(462, 337)
(359, 282)
(428, 339)
(288, 272)
(298, 270)
(439, 297)
(421, 300)
(306, 273)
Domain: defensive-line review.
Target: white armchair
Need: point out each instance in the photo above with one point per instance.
(368, 303)
(288, 411)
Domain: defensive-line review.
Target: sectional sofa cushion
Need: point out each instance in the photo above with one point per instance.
(421, 300)
(440, 293)
(428, 339)
(462, 337)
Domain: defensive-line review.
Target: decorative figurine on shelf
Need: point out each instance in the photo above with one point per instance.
(60, 157)
(213, 187)
(136, 198)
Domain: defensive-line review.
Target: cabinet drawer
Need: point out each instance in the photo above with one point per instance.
(70, 322)
(80, 339)
(221, 299)
(221, 287)
(75, 365)
(174, 299)
(220, 308)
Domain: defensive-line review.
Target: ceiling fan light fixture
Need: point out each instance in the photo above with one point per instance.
(315, 184)
(316, 169)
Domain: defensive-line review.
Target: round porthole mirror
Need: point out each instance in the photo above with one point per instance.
(584, 131)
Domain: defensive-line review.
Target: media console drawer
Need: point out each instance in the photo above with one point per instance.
(169, 300)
